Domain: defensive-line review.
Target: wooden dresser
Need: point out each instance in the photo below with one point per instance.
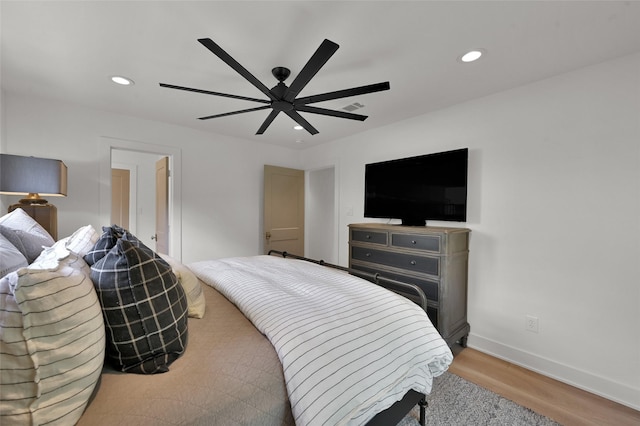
(435, 259)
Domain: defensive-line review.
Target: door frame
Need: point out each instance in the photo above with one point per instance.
(107, 145)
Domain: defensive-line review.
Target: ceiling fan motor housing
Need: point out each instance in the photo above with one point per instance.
(279, 103)
(281, 74)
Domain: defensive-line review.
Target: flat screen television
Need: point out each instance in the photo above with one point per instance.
(417, 189)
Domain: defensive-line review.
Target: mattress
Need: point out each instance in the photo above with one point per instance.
(230, 374)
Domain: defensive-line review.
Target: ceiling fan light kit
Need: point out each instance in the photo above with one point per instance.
(283, 98)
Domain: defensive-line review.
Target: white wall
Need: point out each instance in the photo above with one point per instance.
(221, 182)
(554, 208)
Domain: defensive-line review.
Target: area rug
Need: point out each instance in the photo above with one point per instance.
(455, 401)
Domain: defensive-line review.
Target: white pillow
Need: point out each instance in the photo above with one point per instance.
(50, 257)
(25, 233)
(80, 243)
(11, 259)
(190, 285)
(83, 240)
(53, 342)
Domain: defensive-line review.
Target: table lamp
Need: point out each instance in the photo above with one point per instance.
(34, 177)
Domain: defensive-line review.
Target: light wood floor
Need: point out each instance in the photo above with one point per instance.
(563, 403)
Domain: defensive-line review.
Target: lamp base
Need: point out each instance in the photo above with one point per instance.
(33, 198)
(45, 214)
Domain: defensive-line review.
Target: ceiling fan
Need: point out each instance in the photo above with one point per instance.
(283, 98)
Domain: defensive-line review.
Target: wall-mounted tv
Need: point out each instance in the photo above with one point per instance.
(417, 189)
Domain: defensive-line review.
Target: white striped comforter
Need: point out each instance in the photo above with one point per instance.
(349, 349)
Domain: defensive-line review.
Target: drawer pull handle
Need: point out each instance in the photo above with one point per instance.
(368, 237)
(413, 263)
(368, 255)
(413, 241)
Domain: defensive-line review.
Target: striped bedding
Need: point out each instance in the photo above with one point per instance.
(349, 349)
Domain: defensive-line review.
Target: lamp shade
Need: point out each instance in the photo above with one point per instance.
(30, 175)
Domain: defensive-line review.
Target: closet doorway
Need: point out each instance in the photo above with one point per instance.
(139, 196)
(154, 202)
(321, 207)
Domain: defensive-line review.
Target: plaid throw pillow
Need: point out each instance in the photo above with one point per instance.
(110, 234)
(144, 306)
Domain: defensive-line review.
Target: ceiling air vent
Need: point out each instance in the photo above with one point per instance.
(354, 106)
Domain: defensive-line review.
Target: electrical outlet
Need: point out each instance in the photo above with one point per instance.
(531, 323)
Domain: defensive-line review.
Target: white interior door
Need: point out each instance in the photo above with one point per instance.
(120, 188)
(162, 206)
(284, 210)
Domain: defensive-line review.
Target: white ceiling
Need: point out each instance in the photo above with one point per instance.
(67, 50)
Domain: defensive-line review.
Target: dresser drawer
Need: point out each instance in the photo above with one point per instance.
(429, 287)
(369, 237)
(409, 262)
(417, 242)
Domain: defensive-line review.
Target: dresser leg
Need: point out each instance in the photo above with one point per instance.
(463, 341)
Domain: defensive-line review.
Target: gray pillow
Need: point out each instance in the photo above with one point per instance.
(11, 259)
(25, 233)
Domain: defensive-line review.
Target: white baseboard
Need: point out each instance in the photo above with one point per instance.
(606, 388)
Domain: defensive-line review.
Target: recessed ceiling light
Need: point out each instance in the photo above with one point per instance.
(472, 55)
(298, 127)
(124, 81)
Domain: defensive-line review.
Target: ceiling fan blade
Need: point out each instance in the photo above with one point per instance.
(220, 53)
(301, 121)
(332, 113)
(267, 122)
(234, 112)
(317, 61)
(206, 92)
(342, 93)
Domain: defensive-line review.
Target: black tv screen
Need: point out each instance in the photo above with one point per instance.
(417, 189)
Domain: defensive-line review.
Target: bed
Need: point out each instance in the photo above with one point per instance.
(349, 349)
(241, 367)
